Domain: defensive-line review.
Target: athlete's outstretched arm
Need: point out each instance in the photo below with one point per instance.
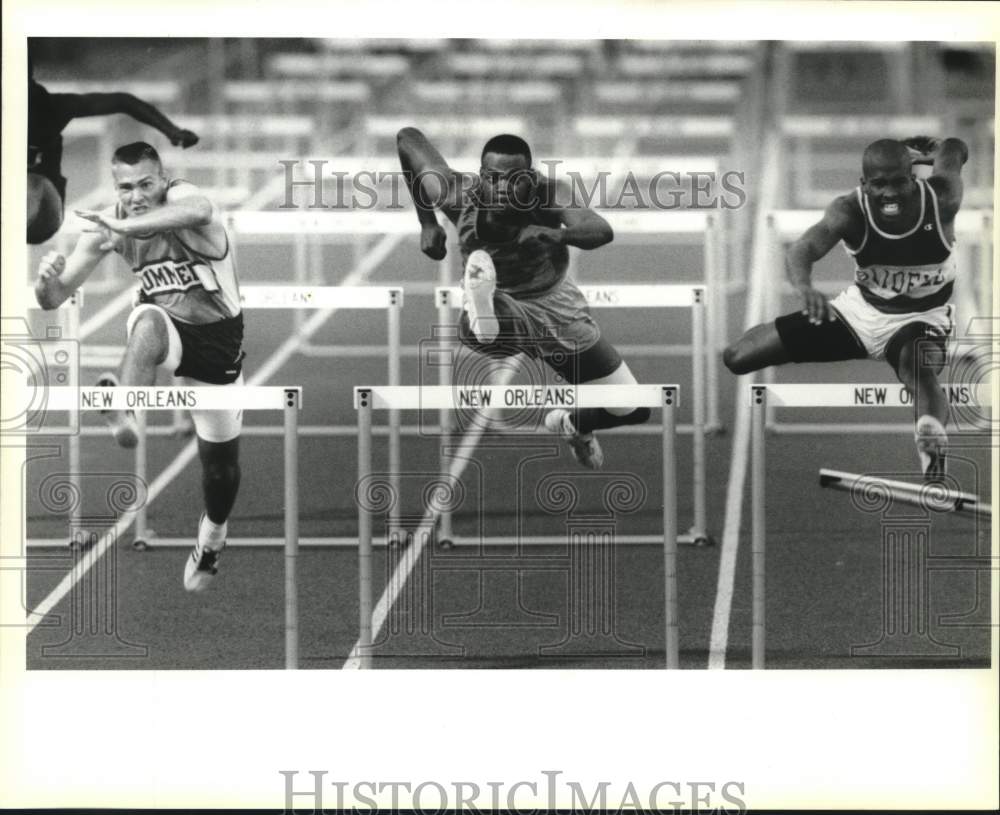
(946, 179)
(432, 186)
(76, 105)
(59, 277)
(185, 208)
(581, 226)
(815, 242)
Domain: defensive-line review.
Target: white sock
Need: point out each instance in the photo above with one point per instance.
(936, 427)
(211, 534)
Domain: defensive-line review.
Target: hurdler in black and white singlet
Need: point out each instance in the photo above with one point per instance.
(907, 273)
(193, 285)
(198, 289)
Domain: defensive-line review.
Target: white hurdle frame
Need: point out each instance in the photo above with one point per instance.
(784, 225)
(71, 308)
(442, 397)
(287, 399)
(763, 396)
(300, 298)
(449, 298)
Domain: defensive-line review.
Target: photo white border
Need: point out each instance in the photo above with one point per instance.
(874, 739)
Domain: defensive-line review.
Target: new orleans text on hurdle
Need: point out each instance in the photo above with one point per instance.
(297, 298)
(631, 297)
(840, 395)
(442, 397)
(247, 397)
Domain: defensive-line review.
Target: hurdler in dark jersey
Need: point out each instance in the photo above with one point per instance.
(521, 269)
(900, 232)
(48, 115)
(514, 235)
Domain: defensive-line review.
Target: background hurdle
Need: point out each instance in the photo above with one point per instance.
(389, 298)
(794, 396)
(299, 298)
(367, 399)
(70, 314)
(786, 225)
(616, 297)
(286, 399)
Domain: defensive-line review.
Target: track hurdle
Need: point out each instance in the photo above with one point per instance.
(69, 330)
(929, 496)
(368, 399)
(640, 296)
(807, 396)
(309, 298)
(286, 399)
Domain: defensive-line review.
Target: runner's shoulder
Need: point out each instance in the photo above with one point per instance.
(843, 214)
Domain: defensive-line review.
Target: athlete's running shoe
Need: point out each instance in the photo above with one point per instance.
(478, 286)
(586, 449)
(203, 563)
(121, 422)
(932, 447)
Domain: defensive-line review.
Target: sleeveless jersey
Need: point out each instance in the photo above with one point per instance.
(521, 271)
(910, 272)
(191, 286)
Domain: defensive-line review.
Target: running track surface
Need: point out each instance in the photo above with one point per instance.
(498, 608)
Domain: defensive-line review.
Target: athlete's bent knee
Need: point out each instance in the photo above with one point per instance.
(734, 360)
(149, 336)
(639, 415)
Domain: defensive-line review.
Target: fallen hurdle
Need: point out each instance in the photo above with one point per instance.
(806, 396)
(933, 496)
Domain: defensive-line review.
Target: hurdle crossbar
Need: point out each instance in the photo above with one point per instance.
(933, 496)
(647, 296)
(300, 298)
(435, 397)
(142, 399)
(807, 396)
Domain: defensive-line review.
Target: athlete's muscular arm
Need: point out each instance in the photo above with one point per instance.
(185, 208)
(432, 185)
(59, 277)
(580, 227)
(75, 105)
(946, 179)
(815, 242)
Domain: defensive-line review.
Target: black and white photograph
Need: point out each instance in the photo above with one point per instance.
(528, 356)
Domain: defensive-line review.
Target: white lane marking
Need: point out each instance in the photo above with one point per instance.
(119, 303)
(412, 553)
(739, 456)
(367, 265)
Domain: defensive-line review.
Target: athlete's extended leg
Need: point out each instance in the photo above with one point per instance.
(599, 365)
(793, 338)
(219, 451)
(917, 360)
(148, 347)
(478, 286)
(220, 478)
(760, 347)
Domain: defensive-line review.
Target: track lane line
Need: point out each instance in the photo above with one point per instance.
(403, 570)
(285, 351)
(740, 453)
